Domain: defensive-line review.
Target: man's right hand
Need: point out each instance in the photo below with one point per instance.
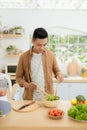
(30, 85)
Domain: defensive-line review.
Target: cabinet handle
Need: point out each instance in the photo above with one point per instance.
(69, 85)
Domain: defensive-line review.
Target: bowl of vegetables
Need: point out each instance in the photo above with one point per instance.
(51, 101)
(78, 112)
(55, 113)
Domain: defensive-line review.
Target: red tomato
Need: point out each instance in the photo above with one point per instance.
(60, 111)
(81, 102)
(2, 92)
(55, 112)
(58, 114)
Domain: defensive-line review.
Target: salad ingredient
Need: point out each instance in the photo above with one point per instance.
(85, 102)
(52, 97)
(80, 98)
(55, 112)
(1, 112)
(78, 112)
(2, 92)
(73, 101)
(84, 72)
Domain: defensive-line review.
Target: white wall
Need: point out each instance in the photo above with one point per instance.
(31, 19)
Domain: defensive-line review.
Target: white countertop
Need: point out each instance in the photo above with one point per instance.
(73, 79)
(67, 79)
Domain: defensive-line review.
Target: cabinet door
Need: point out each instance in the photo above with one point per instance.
(63, 91)
(78, 89)
(67, 91)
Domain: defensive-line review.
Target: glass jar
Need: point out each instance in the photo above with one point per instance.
(3, 87)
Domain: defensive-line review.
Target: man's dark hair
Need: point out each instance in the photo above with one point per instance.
(40, 33)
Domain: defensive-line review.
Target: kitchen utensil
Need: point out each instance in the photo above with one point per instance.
(5, 83)
(18, 104)
(5, 108)
(50, 104)
(42, 91)
(73, 68)
(22, 107)
(56, 90)
(3, 89)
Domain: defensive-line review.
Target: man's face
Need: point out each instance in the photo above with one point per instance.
(39, 45)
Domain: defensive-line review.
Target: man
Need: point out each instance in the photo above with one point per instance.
(36, 67)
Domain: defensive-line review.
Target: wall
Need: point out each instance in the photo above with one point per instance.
(31, 19)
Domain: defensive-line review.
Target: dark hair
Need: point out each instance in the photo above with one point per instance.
(40, 33)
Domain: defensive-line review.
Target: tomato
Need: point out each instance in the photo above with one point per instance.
(81, 102)
(58, 114)
(60, 111)
(51, 113)
(2, 92)
(55, 112)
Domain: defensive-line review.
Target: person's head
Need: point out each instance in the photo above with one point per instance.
(39, 40)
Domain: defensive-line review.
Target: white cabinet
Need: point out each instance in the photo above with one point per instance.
(67, 91)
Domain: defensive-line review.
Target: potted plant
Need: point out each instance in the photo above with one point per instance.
(19, 30)
(10, 49)
(12, 31)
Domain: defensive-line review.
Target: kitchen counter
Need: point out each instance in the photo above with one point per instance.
(66, 79)
(39, 120)
(74, 79)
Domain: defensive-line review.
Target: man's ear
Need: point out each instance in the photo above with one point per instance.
(32, 41)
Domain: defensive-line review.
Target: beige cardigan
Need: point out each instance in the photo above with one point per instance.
(23, 72)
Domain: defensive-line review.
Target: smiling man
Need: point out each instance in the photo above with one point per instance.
(36, 67)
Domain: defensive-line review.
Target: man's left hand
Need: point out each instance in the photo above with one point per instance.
(60, 78)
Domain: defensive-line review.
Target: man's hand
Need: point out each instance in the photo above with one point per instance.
(30, 85)
(60, 78)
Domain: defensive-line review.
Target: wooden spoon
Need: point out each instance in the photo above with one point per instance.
(42, 91)
(56, 91)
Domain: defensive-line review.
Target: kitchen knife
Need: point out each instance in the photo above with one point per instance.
(26, 105)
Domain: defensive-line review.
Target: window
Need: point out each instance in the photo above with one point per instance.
(66, 46)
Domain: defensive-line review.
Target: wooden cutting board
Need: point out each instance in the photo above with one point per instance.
(73, 67)
(17, 104)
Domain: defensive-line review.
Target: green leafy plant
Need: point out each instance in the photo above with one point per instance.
(80, 98)
(66, 46)
(10, 48)
(78, 112)
(1, 112)
(52, 97)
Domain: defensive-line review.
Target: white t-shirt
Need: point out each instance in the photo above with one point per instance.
(37, 75)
